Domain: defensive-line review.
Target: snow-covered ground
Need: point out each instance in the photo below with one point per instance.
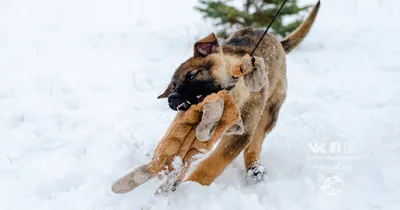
(78, 108)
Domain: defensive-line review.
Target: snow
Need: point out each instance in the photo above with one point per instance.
(78, 107)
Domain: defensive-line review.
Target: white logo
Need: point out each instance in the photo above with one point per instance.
(349, 147)
(332, 184)
(332, 148)
(317, 147)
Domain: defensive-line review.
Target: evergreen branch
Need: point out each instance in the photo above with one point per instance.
(228, 17)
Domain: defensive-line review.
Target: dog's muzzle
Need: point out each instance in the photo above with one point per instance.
(176, 103)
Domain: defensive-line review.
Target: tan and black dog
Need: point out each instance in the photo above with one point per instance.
(209, 71)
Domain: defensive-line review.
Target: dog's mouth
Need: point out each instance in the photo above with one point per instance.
(186, 104)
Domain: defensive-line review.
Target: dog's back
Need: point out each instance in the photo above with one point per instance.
(244, 40)
(271, 49)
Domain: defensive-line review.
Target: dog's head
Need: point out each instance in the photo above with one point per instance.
(202, 74)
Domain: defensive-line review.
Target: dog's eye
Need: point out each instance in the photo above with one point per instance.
(192, 76)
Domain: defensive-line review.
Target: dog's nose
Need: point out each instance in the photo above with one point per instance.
(173, 100)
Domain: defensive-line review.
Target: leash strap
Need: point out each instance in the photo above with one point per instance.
(265, 32)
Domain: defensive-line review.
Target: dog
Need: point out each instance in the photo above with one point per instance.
(209, 71)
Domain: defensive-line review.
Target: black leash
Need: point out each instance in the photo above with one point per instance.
(265, 32)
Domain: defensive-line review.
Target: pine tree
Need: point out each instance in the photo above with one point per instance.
(254, 13)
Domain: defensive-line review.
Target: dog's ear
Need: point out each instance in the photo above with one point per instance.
(167, 91)
(206, 46)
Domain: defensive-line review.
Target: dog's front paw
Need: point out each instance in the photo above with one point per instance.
(169, 186)
(255, 174)
(173, 179)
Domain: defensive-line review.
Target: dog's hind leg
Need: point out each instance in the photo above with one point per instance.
(255, 172)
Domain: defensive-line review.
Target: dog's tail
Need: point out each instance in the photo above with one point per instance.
(295, 38)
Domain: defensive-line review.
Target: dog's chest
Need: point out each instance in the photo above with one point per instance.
(240, 93)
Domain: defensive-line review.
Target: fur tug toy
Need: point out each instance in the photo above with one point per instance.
(194, 132)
